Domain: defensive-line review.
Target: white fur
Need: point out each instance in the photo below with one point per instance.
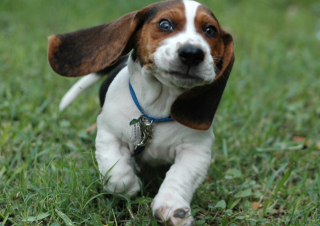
(189, 150)
(80, 86)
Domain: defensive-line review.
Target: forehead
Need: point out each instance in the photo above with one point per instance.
(187, 10)
(159, 7)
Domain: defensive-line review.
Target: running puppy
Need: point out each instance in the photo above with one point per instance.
(162, 102)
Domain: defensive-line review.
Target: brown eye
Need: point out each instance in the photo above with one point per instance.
(165, 25)
(210, 31)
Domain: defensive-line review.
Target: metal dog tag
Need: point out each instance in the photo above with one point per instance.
(142, 130)
(136, 131)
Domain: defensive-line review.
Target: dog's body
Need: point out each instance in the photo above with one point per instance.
(178, 68)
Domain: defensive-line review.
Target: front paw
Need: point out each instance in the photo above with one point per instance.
(170, 215)
(126, 184)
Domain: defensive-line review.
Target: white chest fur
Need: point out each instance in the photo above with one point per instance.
(119, 109)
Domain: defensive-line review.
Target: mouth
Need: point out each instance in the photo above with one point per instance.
(185, 77)
(184, 80)
(180, 79)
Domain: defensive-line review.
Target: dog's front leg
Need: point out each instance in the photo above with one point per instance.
(114, 161)
(172, 203)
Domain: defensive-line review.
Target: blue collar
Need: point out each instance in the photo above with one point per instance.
(134, 97)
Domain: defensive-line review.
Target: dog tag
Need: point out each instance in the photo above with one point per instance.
(136, 131)
(142, 130)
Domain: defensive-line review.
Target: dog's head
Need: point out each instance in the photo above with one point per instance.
(180, 41)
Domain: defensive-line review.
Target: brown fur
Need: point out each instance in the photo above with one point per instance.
(151, 36)
(204, 17)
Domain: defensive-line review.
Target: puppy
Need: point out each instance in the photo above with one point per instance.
(161, 105)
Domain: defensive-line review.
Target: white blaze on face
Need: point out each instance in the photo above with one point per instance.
(166, 56)
(191, 11)
(190, 35)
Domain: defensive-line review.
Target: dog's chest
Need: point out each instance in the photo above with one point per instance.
(119, 110)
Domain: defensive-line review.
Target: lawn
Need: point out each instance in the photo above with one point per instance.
(265, 161)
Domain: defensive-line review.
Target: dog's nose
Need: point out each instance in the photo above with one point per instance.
(191, 55)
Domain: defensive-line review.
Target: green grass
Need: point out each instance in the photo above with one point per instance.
(48, 174)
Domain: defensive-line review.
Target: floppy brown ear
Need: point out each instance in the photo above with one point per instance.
(92, 49)
(196, 108)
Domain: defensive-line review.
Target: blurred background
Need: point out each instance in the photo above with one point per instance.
(269, 115)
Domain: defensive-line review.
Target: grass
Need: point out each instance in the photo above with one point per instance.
(261, 174)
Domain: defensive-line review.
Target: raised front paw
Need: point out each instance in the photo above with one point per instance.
(170, 215)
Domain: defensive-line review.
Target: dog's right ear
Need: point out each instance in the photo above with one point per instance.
(89, 50)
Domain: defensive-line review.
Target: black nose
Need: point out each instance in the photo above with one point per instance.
(191, 55)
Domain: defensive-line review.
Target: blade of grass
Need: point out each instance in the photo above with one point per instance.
(265, 207)
(65, 218)
(5, 216)
(282, 181)
(115, 220)
(274, 175)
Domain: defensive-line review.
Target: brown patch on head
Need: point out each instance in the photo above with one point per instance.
(205, 18)
(150, 36)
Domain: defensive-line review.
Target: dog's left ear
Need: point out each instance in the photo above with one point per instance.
(196, 108)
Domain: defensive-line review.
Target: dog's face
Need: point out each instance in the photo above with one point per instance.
(182, 44)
